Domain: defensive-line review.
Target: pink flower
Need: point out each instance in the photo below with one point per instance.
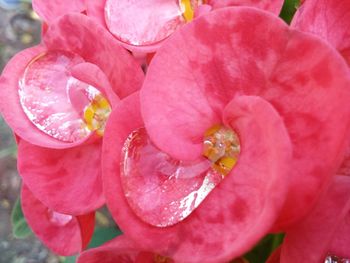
(282, 92)
(56, 97)
(64, 234)
(144, 25)
(244, 212)
(325, 232)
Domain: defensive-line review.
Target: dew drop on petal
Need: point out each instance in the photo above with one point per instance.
(59, 219)
(55, 102)
(336, 259)
(147, 22)
(160, 190)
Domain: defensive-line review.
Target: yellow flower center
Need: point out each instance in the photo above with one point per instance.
(221, 146)
(96, 114)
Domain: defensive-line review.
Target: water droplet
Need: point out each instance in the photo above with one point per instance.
(221, 146)
(59, 219)
(56, 102)
(147, 22)
(336, 259)
(160, 190)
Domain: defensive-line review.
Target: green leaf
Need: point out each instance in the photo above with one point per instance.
(288, 10)
(68, 259)
(103, 234)
(20, 228)
(261, 252)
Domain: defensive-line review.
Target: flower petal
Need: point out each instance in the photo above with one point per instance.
(273, 6)
(120, 249)
(326, 230)
(64, 234)
(53, 9)
(68, 181)
(238, 212)
(79, 34)
(327, 19)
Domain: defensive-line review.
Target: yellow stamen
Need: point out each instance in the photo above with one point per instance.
(221, 147)
(96, 114)
(187, 10)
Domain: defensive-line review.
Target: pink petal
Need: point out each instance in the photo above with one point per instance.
(79, 34)
(327, 19)
(120, 249)
(96, 10)
(236, 213)
(92, 74)
(64, 234)
(68, 181)
(273, 6)
(52, 9)
(326, 230)
(230, 52)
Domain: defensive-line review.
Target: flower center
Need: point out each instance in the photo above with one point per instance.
(96, 114)
(221, 146)
(188, 7)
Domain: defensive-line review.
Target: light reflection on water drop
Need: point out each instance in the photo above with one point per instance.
(147, 22)
(160, 190)
(335, 259)
(53, 100)
(59, 219)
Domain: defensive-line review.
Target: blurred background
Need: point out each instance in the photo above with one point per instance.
(19, 29)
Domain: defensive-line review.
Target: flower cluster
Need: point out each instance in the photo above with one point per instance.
(202, 125)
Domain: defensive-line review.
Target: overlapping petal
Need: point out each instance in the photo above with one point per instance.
(237, 51)
(238, 212)
(96, 46)
(53, 9)
(79, 35)
(120, 249)
(143, 25)
(67, 180)
(325, 231)
(64, 234)
(327, 19)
